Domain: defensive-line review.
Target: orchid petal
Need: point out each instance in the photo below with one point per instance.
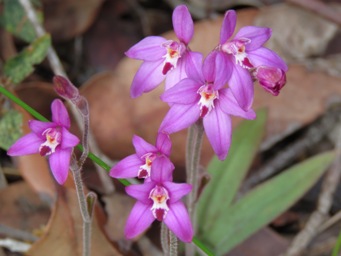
(163, 143)
(209, 67)
(178, 221)
(184, 92)
(180, 117)
(38, 127)
(194, 66)
(224, 72)
(257, 35)
(183, 24)
(266, 57)
(176, 190)
(26, 145)
(218, 130)
(217, 69)
(68, 139)
(242, 87)
(148, 49)
(228, 26)
(148, 77)
(59, 164)
(128, 167)
(177, 74)
(230, 106)
(60, 115)
(140, 218)
(142, 147)
(141, 192)
(161, 170)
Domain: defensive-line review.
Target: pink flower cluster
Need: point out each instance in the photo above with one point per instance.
(211, 90)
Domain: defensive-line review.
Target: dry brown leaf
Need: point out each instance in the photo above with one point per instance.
(63, 234)
(66, 19)
(21, 208)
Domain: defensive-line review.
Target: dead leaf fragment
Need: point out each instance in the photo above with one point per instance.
(63, 234)
(21, 208)
(66, 19)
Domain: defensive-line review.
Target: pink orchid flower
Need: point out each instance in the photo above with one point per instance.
(139, 164)
(163, 58)
(246, 52)
(51, 139)
(159, 200)
(202, 96)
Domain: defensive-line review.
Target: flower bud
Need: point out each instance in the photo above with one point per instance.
(65, 88)
(270, 78)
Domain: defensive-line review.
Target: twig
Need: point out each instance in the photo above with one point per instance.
(51, 54)
(308, 139)
(325, 200)
(330, 222)
(320, 8)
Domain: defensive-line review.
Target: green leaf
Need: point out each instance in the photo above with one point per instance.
(264, 203)
(10, 128)
(227, 175)
(20, 66)
(15, 21)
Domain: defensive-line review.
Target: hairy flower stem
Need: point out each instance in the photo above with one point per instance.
(84, 209)
(164, 238)
(194, 142)
(169, 242)
(173, 244)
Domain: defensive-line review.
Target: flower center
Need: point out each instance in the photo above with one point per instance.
(174, 52)
(159, 195)
(144, 171)
(53, 139)
(206, 102)
(237, 49)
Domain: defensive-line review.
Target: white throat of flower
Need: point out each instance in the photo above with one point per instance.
(206, 102)
(144, 170)
(175, 51)
(238, 49)
(53, 139)
(159, 195)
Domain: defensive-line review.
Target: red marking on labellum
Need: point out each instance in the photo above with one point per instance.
(167, 67)
(143, 174)
(44, 150)
(159, 214)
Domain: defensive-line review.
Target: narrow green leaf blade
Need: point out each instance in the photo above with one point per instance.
(20, 66)
(10, 128)
(265, 202)
(226, 176)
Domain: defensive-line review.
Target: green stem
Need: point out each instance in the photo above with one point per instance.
(93, 157)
